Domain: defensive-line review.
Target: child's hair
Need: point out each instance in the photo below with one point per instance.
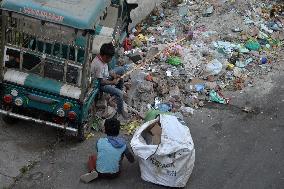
(112, 127)
(107, 49)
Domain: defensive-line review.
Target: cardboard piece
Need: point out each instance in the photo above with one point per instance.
(196, 81)
(156, 133)
(152, 134)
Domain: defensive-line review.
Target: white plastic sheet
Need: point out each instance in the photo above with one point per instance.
(143, 10)
(171, 162)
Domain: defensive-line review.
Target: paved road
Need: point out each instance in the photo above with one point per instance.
(234, 149)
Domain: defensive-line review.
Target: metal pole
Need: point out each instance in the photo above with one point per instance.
(85, 67)
(3, 39)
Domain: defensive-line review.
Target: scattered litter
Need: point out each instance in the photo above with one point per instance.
(248, 109)
(217, 97)
(175, 61)
(208, 11)
(97, 124)
(264, 60)
(199, 87)
(131, 127)
(244, 64)
(252, 45)
(237, 30)
(90, 135)
(164, 107)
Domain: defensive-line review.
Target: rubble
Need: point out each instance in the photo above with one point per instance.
(219, 45)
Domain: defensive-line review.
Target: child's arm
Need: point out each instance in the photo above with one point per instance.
(129, 155)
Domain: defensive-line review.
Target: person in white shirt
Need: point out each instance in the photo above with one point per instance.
(110, 81)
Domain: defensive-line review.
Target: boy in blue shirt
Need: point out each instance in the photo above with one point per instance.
(110, 152)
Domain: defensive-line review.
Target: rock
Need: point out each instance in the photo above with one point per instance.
(156, 79)
(244, 37)
(248, 109)
(190, 101)
(237, 72)
(211, 85)
(211, 78)
(152, 52)
(188, 88)
(213, 68)
(146, 86)
(201, 103)
(101, 104)
(176, 2)
(162, 89)
(175, 92)
(187, 110)
(208, 11)
(254, 32)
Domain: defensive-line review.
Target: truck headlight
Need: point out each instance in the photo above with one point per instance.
(60, 112)
(19, 101)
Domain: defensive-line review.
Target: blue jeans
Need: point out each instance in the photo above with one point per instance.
(116, 90)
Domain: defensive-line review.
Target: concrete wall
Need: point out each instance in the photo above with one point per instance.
(143, 9)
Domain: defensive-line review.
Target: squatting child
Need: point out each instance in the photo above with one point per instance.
(110, 152)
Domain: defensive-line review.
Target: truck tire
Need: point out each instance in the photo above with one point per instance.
(9, 120)
(85, 128)
(82, 132)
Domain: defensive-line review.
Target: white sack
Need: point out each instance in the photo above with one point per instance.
(171, 162)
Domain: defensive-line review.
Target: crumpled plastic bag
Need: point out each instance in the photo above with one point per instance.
(252, 45)
(224, 46)
(215, 97)
(214, 67)
(175, 61)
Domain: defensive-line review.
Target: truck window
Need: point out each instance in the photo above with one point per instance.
(57, 51)
(54, 69)
(48, 48)
(12, 58)
(40, 46)
(32, 44)
(72, 75)
(31, 63)
(81, 55)
(65, 52)
(77, 53)
(72, 54)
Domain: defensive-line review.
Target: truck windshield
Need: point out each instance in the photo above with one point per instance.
(52, 55)
(54, 69)
(31, 62)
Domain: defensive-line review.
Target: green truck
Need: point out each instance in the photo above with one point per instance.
(47, 49)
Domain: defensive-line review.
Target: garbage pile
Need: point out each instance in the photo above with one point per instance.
(198, 49)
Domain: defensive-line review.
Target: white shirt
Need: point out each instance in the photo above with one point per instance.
(99, 69)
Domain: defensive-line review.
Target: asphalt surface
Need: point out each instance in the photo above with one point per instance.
(234, 149)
